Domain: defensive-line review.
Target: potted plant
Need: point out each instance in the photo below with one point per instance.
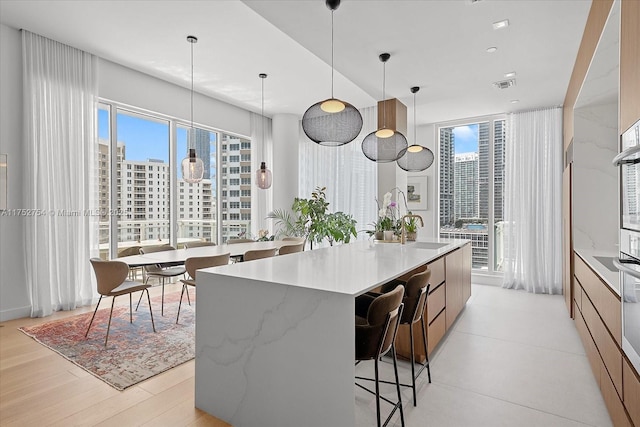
(411, 228)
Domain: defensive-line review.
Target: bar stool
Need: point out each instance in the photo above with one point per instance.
(377, 322)
(416, 290)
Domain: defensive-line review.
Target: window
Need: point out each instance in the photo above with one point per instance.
(245, 169)
(245, 145)
(234, 205)
(471, 158)
(245, 157)
(142, 142)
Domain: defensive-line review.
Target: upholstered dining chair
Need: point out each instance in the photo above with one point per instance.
(376, 324)
(190, 245)
(291, 249)
(111, 277)
(233, 241)
(160, 271)
(416, 291)
(258, 254)
(132, 250)
(196, 263)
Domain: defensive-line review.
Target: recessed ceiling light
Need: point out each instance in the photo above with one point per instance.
(515, 101)
(510, 74)
(501, 24)
(491, 49)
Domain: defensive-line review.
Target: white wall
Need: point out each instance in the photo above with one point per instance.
(286, 140)
(14, 298)
(116, 83)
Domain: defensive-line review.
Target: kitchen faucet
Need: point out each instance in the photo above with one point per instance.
(403, 236)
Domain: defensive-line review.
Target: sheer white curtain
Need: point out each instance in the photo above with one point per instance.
(533, 202)
(262, 151)
(351, 179)
(60, 86)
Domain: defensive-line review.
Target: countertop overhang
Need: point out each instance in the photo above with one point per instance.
(350, 269)
(590, 257)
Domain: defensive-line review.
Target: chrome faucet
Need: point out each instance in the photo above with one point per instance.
(403, 233)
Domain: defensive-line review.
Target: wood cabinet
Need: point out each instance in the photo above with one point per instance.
(449, 291)
(597, 318)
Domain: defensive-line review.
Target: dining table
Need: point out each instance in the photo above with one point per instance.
(179, 256)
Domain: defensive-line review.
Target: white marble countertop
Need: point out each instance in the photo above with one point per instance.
(611, 278)
(347, 269)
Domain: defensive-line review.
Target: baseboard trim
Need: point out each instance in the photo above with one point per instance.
(15, 313)
(486, 279)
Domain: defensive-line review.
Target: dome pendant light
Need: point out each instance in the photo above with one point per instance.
(192, 166)
(385, 144)
(332, 122)
(263, 175)
(416, 158)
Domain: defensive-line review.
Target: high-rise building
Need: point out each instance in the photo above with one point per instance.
(466, 190)
(235, 187)
(499, 138)
(447, 172)
(484, 154)
(200, 139)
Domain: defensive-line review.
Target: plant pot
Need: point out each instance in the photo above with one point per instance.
(379, 235)
(411, 237)
(388, 235)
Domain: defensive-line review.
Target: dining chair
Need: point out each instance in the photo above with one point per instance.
(376, 324)
(258, 254)
(416, 291)
(290, 249)
(111, 278)
(161, 271)
(202, 243)
(196, 263)
(233, 241)
(132, 250)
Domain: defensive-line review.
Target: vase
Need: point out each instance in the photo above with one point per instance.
(379, 235)
(411, 237)
(388, 235)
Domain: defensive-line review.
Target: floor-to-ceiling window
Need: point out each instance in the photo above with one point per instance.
(143, 198)
(471, 174)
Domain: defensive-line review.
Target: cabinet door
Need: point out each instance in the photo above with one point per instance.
(454, 265)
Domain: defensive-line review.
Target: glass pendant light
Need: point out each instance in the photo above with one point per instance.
(192, 166)
(263, 175)
(332, 122)
(385, 144)
(416, 158)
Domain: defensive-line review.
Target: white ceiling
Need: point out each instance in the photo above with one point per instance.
(438, 45)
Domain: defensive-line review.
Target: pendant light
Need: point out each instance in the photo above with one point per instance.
(416, 158)
(385, 144)
(192, 166)
(332, 122)
(263, 175)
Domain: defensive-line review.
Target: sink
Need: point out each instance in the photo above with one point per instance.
(427, 245)
(607, 261)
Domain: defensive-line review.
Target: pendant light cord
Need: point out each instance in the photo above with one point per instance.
(263, 116)
(332, 70)
(384, 103)
(415, 129)
(191, 131)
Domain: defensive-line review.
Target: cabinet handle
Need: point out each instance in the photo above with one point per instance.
(622, 158)
(620, 265)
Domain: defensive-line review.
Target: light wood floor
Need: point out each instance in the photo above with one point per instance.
(40, 387)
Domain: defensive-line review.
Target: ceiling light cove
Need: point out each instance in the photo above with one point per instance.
(492, 49)
(515, 101)
(501, 24)
(510, 74)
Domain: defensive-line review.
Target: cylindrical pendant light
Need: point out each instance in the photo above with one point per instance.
(192, 166)
(263, 175)
(385, 144)
(416, 158)
(332, 122)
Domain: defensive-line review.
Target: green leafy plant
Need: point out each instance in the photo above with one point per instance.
(309, 218)
(411, 224)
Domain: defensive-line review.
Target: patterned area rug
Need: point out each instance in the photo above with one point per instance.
(134, 352)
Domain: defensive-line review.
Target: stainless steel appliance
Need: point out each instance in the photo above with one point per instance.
(629, 162)
(629, 262)
(629, 266)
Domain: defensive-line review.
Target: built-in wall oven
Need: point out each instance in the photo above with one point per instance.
(629, 262)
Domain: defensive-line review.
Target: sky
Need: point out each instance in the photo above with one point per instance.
(466, 138)
(144, 138)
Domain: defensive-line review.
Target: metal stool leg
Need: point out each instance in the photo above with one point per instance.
(413, 368)
(395, 368)
(109, 324)
(426, 354)
(377, 393)
(150, 312)
(93, 317)
(184, 286)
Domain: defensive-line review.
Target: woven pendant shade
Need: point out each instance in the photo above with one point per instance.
(384, 150)
(415, 158)
(385, 144)
(332, 129)
(332, 122)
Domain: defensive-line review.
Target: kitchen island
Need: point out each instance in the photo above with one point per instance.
(275, 337)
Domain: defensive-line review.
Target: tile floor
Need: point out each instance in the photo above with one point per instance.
(511, 359)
